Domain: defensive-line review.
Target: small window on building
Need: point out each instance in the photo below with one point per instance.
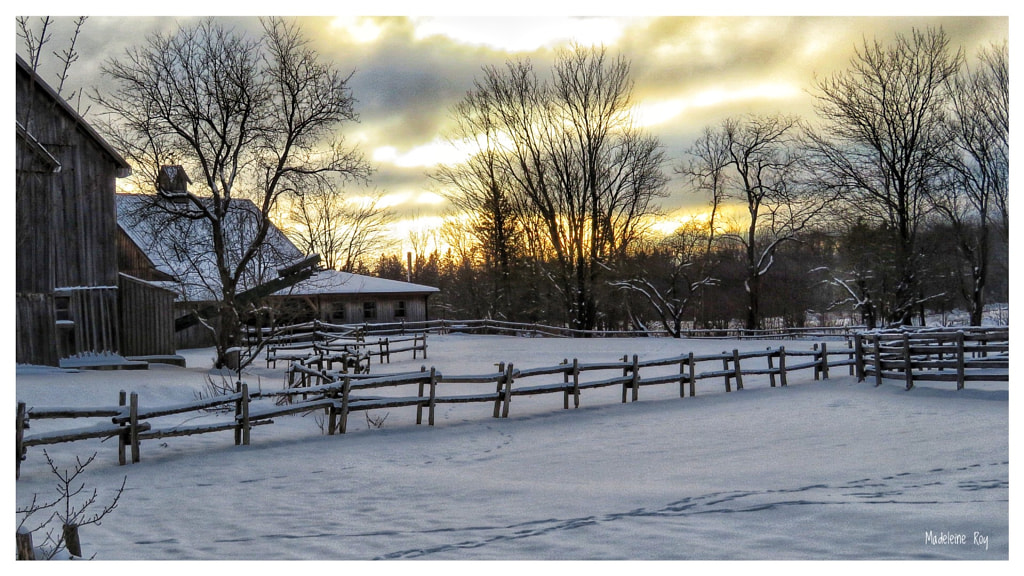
(369, 310)
(338, 314)
(400, 309)
(62, 308)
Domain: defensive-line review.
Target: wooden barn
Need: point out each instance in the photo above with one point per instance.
(67, 278)
(346, 298)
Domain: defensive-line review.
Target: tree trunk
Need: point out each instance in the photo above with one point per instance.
(753, 286)
(228, 331)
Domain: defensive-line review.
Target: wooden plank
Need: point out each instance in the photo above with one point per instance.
(20, 422)
(58, 437)
(35, 413)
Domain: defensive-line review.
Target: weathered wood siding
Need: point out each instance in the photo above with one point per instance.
(147, 318)
(66, 228)
(386, 308)
(91, 325)
(33, 242)
(195, 336)
(131, 260)
(35, 330)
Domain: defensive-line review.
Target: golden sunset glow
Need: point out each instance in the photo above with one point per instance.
(688, 72)
(359, 29)
(655, 113)
(522, 33)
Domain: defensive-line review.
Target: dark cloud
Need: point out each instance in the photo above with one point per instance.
(406, 86)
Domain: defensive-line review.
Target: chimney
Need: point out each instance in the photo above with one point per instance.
(408, 268)
(172, 183)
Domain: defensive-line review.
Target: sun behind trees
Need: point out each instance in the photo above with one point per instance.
(890, 203)
(559, 176)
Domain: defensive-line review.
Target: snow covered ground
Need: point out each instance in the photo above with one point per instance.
(825, 470)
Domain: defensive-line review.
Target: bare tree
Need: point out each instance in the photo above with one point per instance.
(480, 192)
(574, 163)
(756, 161)
(343, 231)
(34, 43)
(973, 194)
(671, 291)
(880, 140)
(248, 118)
(34, 40)
(73, 509)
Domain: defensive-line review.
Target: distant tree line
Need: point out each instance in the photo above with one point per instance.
(893, 201)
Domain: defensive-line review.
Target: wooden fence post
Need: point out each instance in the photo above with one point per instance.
(20, 436)
(500, 390)
(576, 382)
(782, 366)
(345, 389)
(71, 540)
(508, 390)
(636, 378)
(739, 374)
(238, 414)
(26, 551)
(908, 370)
(433, 395)
(122, 438)
(565, 383)
(771, 367)
(849, 356)
(960, 360)
(682, 378)
(692, 375)
(878, 360)
(858, 353)
(245, 413)
(332, 419)
(133, 412)
(419, 393)
(625, 372)
(725, 368)
(817, 362)
(824, 361)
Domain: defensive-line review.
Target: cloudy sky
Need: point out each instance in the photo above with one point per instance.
(689, 71)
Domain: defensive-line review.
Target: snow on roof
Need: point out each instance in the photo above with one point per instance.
(335, 282)
(182, 247)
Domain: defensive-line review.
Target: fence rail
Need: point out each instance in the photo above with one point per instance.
(960, 356)
(971, 354)
(354, 351)
(308, 331)
(340, 392)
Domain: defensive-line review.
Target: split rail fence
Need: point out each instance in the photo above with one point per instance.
(310, 331)
(339, 393)
(965, 355)
(332, 343)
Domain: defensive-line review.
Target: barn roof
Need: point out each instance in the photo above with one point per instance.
(327, 282)
(181, 247)
(125, 168)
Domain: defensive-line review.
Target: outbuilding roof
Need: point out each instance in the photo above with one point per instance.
(335, 282)
(182, 247)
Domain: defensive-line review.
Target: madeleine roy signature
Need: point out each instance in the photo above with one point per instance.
(956, 539)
